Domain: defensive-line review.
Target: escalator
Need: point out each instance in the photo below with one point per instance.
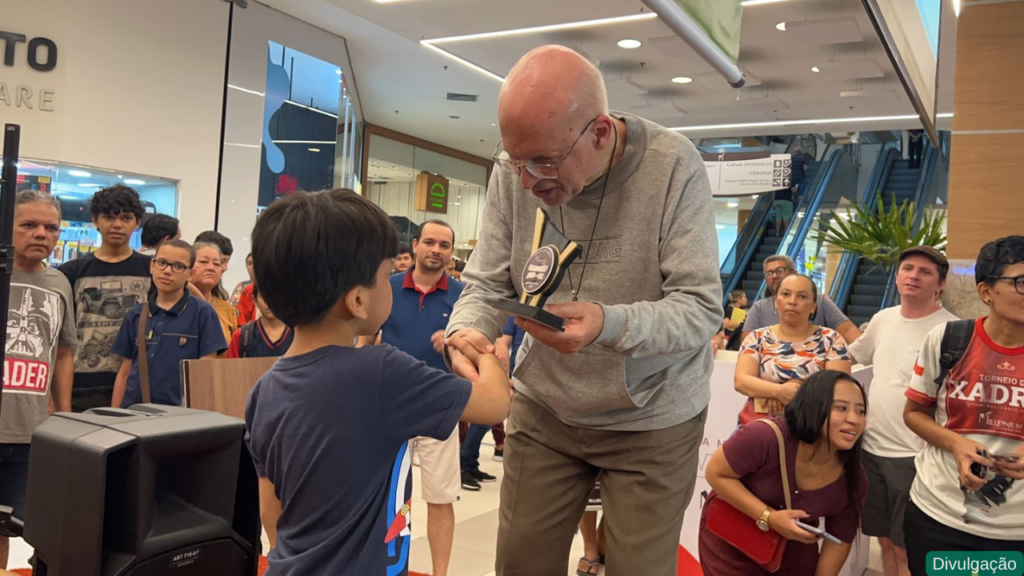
(862, 288)
(743, 268)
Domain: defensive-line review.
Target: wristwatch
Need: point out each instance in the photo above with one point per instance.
(762, 522)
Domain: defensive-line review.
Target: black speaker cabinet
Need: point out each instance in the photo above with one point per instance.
(153, 490)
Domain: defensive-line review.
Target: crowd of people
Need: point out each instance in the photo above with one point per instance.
(385, 351)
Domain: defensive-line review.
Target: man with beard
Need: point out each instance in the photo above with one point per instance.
(763, 313)
(423, 298)
(39, 364)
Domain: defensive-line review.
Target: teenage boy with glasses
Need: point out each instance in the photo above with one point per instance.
(763, 313)
(968, 494)
(179, 327)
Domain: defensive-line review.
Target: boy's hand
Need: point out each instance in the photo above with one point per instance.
(437, 339)
(465, 348)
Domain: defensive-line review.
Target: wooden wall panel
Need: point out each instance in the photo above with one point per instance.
(986, 191)
(986, 174)
(989, 86)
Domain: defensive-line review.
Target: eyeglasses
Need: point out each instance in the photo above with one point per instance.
(1018, 282)
(162, 264)
(544, 171)
(777, 272)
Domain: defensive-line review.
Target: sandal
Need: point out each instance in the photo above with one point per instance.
(588, 566)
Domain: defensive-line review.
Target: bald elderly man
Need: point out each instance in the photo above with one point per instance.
(625, 388)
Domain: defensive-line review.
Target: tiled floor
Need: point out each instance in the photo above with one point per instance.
(476, 531)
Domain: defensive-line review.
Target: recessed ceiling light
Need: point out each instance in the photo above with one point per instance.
(89, 185)
(431, 43)
(493, 125)
(815, 69)
(314, 149)
(134, 181)
(682, 80)
(629, 44)
(79, 173)
(733, 204)
(338, 71)
(781, 26)
(746, 3)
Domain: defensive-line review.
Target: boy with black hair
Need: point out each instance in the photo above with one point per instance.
(159, 228)
(329, 425)
(265, 337)
(106, 284)
(178, 327)
(965, 400)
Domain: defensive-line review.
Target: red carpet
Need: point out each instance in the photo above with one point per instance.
(263, 568)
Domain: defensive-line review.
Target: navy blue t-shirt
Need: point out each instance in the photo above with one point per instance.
(330, 429)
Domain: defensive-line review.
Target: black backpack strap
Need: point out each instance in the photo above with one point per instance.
(955, 339)
(248, 334)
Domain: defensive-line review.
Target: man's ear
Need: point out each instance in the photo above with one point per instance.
(354, 303)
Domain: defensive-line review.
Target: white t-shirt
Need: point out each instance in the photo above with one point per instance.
(983, 400)
(891, 343)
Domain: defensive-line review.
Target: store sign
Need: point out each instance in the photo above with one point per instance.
(38, 54)
(746, 174)
(431, 193)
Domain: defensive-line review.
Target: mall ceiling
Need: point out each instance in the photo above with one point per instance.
(403, 85)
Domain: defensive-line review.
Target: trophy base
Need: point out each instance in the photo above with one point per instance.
(532, 313)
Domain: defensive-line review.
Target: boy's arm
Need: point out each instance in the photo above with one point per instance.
(491, 396)
(270, 510)
(121, 382)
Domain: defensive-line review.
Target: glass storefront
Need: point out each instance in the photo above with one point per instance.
(74, 185)
(307, 142)
(392, 170)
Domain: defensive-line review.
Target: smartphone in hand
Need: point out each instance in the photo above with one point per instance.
(819, 532)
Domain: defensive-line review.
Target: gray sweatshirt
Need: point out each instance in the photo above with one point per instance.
(653, 266)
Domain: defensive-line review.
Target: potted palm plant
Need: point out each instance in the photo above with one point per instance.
(879, 234)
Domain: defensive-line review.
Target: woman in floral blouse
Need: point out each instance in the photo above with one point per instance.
(774, 361)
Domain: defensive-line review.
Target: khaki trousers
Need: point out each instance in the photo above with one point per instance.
(551, 467)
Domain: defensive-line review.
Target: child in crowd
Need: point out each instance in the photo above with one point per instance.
(106, 284)
(329, 425)
(179, 327)
(266, 337)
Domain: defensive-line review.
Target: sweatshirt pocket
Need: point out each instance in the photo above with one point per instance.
(574, 385)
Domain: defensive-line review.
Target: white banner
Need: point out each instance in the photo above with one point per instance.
(746, 177)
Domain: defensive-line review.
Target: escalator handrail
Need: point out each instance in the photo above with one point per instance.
(748, 226)
(743, 260)
(812, 206)
(844, 262)
(891, 293)
(869, 198)
(809, 203)
(923, 186)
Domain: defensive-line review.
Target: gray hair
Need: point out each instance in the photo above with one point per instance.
(779, 258)
(200, 245)
(30, 196)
